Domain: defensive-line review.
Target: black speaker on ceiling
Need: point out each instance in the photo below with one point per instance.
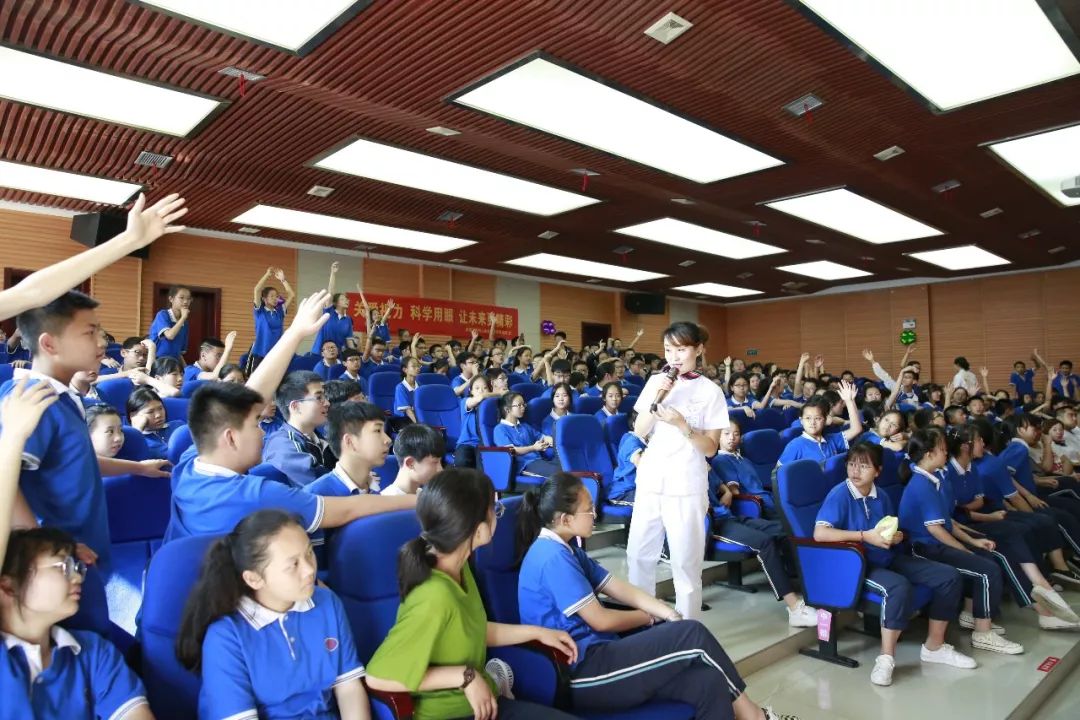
(92, 229)
(644, 303)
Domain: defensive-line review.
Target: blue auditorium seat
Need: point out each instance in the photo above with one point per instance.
(763, 448)
(529, 390)
(115, 391)
(789, 434)
(438, 406)
(582, 449)
(381, 386)
(836, 469)
(539, 408)
(176, 408)
(770, 419)
(432, 378)
(615, 427)
(498, 463)
(134, 447)
(179, 441)
(587, 404)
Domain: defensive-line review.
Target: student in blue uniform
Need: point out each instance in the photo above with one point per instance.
(45, 670)
(342, 390)
(350, 361)
(1021, 433)
(612, 395)
(668, 658)
(469, 439)
(339, 326)
(815, 444)
(532, 448)
(1065, 384)
(562, 404)
(377, 326)
(405, 391)
(850, 513)
(374, 357)
(329, 366)
(296, 448)
(169, 331)
(470, 367)
(419, 450)
(924, 512)
(624, 479)
(269, 313)
(146, 413)
(266, 640)
(213, 356)
(1022, 379)
(106, 429)
(166, 377)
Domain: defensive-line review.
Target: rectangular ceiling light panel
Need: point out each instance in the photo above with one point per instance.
(544, 95)
(824, 270)
(954, 52)
(717, 290)
(585, 268)
(311, 223)
(1047, 160)
(698, 238)
(966, 257)
(37, 80)
(66, 184)
(852, 214)
(385, 163)
(285, 24)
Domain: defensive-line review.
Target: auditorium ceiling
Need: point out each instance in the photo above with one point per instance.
(616, 129)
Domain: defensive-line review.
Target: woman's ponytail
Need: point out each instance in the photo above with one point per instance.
(416, 560)
(558, 494)
(529, 521)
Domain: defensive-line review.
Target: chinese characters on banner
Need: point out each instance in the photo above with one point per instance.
(436, 317)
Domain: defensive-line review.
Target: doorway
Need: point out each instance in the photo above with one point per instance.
(595, 333)
(204, 318)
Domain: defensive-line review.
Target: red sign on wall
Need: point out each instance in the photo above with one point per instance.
(436, 317)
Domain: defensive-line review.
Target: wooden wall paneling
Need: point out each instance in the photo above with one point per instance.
(626, 326)
(912, 301)
(821, 329)
(391, 278)
(1012, 320)
(117, 289)
(956, 327)
(1061, 337)
(867, 325)
(568, 307)
(714, 319)
(773, 329)
(435, 282)
(477, 288)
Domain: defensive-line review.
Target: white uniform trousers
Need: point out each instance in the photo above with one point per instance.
(682, 517)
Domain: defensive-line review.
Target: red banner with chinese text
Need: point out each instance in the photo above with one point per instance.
(436, 317)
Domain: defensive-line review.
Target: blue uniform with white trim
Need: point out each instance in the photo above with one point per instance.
(470, 427)
(157, 441)
(261, 664)
(805, 447)
(520, 435)
(404, 398)
(1023, 382)
(624, 479)
(1016, 458)
(303, 458)
(733, 467)
(210, 499)
(329, 372)
(338, 328)
(86, 679)
(845, 508)
(174, 348)
(269, 326)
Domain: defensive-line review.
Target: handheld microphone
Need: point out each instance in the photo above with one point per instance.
(672, 372)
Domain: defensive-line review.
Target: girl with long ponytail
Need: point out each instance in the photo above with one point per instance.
(437, 649)
(265, 638)
(558, 587)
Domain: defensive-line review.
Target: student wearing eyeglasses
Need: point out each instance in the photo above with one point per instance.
(533, 450)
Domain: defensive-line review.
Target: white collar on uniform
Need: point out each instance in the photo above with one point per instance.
(549, 534)
(736, 454)
(933, 478)
(58, 386)
(858, 495)
(504, 421)
(1021, 441)
(61, 638)
(813, 439)
(204, 468)
(346, 480)
(259, 616)
(957, 466)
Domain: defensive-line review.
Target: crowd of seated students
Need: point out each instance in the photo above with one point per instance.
(277, 460)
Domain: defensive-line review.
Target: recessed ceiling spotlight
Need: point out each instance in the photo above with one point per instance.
(867, 258)
(745, 275)
(668, 28)
(901, 268)
(1029, 234)
(946, 186)
(622, 250)
(440, 130)
(1056, 250)
(593, 281)
(683, 201)
(547, 235)
(458, 261)
(687, 263)
(991, 212)
(815, 241)
(248, 230)
(320, 191)
(889, 153)
(450, 216)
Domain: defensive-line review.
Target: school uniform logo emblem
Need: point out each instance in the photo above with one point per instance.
(331, 644)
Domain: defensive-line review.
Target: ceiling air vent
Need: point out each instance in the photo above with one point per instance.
(803, 105)
(320, 191)
(236, 72)
(1029, 234)
(593, 281)
(745, 275)
(622, 250)
(149, 159)
(682, 201)
(548, 235)
(247, 230)
(458, 261)
(889, 153)
(991, 212)
(668, 28)
(450, 216)
(440, 130)
(1054, 251)
(687, 263)
(815, 241)
(946, 186)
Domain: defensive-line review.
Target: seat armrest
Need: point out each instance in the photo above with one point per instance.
(399, 703)
(497, 463)
(746, 505)
(832, 572)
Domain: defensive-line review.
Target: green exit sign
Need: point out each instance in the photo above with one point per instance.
(751, 352)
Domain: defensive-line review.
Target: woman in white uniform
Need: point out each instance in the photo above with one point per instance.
(672, 475)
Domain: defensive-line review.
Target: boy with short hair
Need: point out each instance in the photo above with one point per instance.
(296, 449)
(342, 390)
(134, 353)
(351, 359)
(357, 433)
(213, 355)
(170, 327)
(329, 367)
(470, 366)
(374, 356)
(212, 487)
(1065, 383)
(419, 450)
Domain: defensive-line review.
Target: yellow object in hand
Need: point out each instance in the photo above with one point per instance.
(887, 527)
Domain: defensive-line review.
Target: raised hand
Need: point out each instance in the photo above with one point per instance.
(984, 371)
(847, 391)
(804, 358)
(727, 361)
(868, 355)
(230, 338)
(640, 332)
(309, 315)
(279, 275)
(335, 266)
(23, 408)
(819, 360)
(147, 224)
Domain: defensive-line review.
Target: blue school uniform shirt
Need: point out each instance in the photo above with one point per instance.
(269, 427)
(805, 447)
(269, 325)
(624, 479)
(174, 348)
(404, 397)
(369, 365)
(458, 381)
(86, 679)
(338, 328)
(995, 480)
(965, 485)
(210, 500)
(1023, 382)
(300, 457)
(380, 330)
(258, 663)
(470, 425)
(191, 373)
(733, 467)
(520, 435)
(60, 478)
(1058, 384)
(337, 483)
(547, 425)
(556, 581)
(329, 372)
(845, 508)
(157, 441)
(925, 502)
(908, 398)
(1016, 459)
(602, 415)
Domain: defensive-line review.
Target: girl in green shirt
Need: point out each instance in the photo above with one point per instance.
(438, 647)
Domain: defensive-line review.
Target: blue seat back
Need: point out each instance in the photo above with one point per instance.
(363, 571)
(801, 487)
(587, 404)
(529, 390)
(172, 690)
(638, 382)
(488, 414)
(438, 405)
(539, 408)
(627, 404)
(770, 419)
(179, 441)
(6, 371)
(189, 388)
(270, 472)
(791, 414)
(176, 409)
(453, 372)
(889, 479)
(836, 469)
(138, 507)
(116, 392)
(134, 447)
(616, 426)
(762, 448)
(789, 434)
(580, 444)
(496, 567)
(432, 378)
(303, 362)
(381, 387)
(515, 379)
(388, 471)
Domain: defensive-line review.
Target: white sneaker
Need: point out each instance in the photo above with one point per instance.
(802, 615)
(1049, 622)
(995, 643)
(967, 621)
(882, 672)
(947, 655)
(771, 714)
(1055, 604)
